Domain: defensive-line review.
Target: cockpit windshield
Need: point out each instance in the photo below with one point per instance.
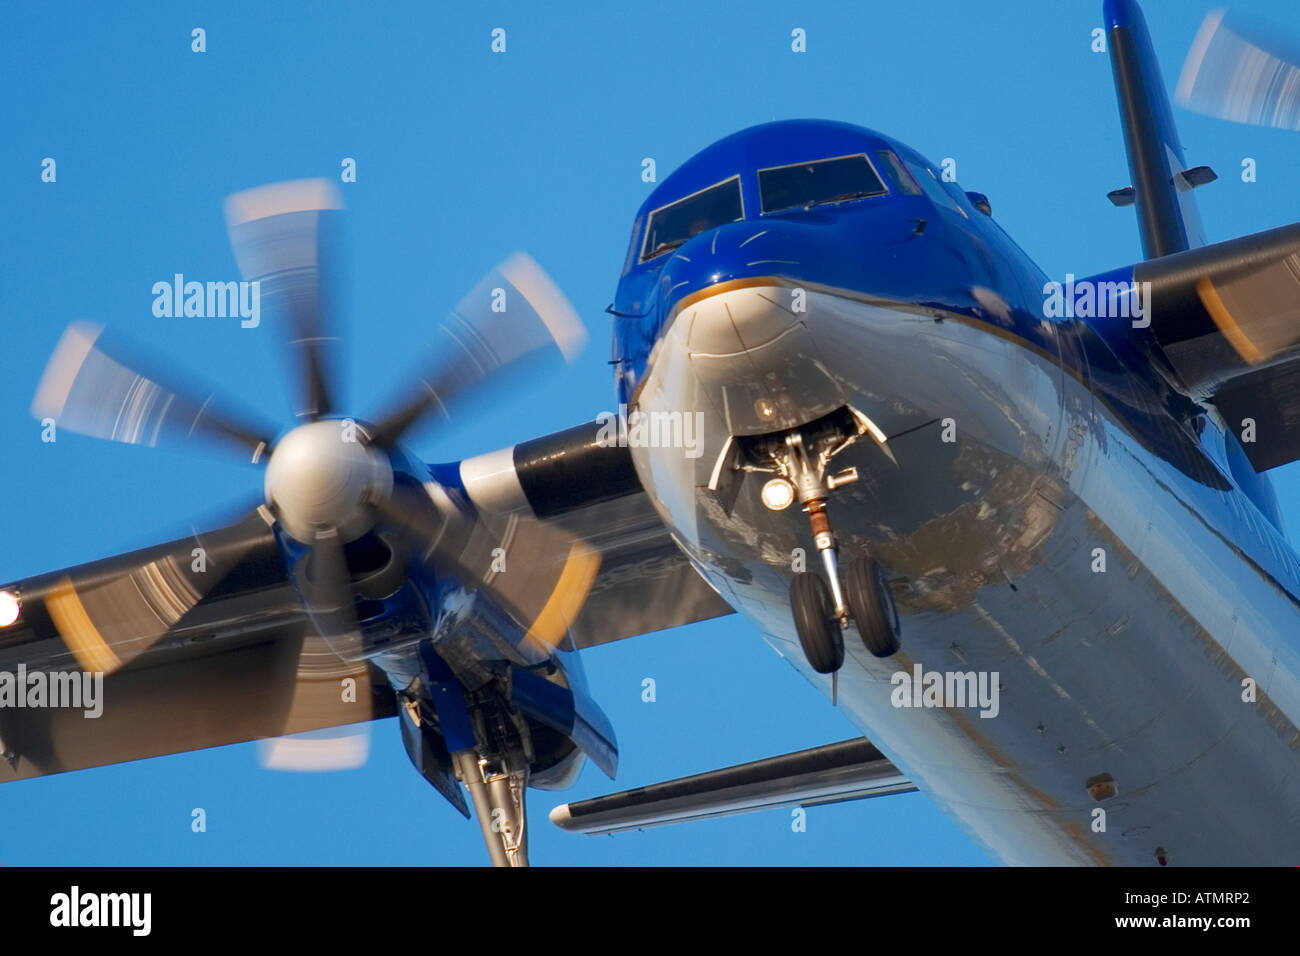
(804, 185)
(672, 225)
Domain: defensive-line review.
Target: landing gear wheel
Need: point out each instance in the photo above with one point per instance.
(872, 606)
(814, 619)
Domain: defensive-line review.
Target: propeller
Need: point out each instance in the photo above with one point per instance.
(329, 481)
(1243, 72)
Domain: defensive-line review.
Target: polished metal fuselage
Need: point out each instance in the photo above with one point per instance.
(1140, 625)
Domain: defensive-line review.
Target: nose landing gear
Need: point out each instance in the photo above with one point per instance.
(822, 607)
(820, 613)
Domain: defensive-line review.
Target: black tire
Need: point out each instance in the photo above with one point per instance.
(814, 619)
(872, 606)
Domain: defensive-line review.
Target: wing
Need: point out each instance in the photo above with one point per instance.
(1222, 325)
(589, 489)
(193, 654)
(834, 773)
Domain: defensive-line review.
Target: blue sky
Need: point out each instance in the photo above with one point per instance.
(462, 157)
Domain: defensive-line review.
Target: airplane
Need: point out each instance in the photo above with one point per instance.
(1020, 533)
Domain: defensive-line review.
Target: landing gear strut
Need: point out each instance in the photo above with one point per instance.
(491, 751)
(819, 613)
(497, 788)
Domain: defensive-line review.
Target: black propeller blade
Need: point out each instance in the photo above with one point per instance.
(113, 612)
(323, 581)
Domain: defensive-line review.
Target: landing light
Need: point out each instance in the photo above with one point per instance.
(9, 607)
(778, 494)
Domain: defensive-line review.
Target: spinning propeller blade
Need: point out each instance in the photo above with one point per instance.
(1241, 72)
(90, 391)
(514, 316)
(325, 585)
(281, 235)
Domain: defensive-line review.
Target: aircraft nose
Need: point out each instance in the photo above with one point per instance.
(734, 285)
(732, 303)
(737, 315)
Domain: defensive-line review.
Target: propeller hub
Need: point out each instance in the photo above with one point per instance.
(324, 475)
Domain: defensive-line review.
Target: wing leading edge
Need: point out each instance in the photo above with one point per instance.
(833, 773)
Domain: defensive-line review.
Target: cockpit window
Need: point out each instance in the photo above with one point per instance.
(632, 247)
(804, 185)
(901, 176)
(934, 190)
(672, 225)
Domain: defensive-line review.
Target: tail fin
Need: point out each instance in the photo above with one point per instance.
(1162, 183)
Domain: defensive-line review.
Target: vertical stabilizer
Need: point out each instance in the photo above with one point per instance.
(1162, 183)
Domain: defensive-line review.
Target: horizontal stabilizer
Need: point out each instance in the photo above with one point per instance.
(1185, 180)
(849, 770)
(1125, 196)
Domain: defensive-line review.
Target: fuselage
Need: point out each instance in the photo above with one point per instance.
(1050, 515)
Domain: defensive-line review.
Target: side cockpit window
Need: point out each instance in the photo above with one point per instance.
(632, 247)
(673, 224)
(934, 190)
(906, 184)
(823, 181)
